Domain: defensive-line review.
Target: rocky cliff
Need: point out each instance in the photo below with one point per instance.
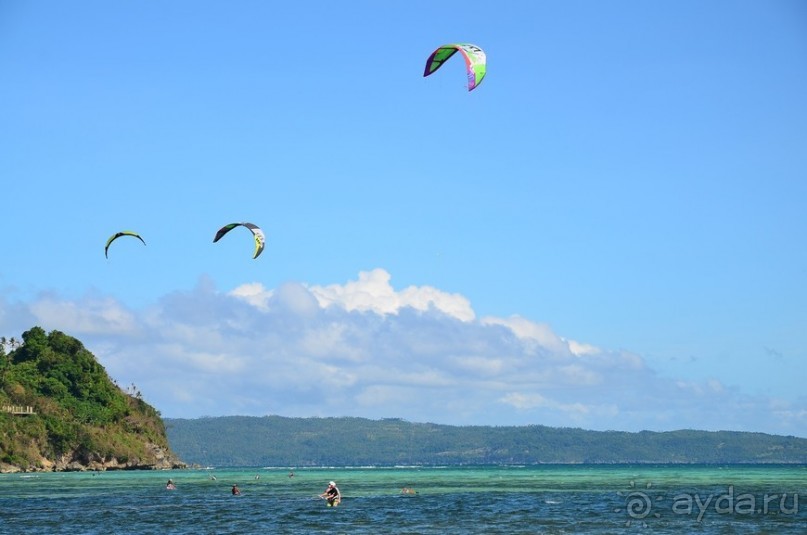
(157, 458)
(60, 411)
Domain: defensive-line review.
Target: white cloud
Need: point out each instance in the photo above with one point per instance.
(576, 411)
(91, 315)
(255, 294)
(528, 330)
(364, 348)
(577, 374)
(481, 365)
(582, 349)
(373, 293)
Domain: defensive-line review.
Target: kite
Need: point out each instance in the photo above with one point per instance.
(474, 60)
(260, 240)
(118, 235)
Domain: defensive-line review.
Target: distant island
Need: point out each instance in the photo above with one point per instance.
(301, 442)
(60, 411)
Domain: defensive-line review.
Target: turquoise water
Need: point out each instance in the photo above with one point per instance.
(528, 500)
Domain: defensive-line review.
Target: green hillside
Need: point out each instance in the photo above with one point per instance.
(61, 411)
(278, 441)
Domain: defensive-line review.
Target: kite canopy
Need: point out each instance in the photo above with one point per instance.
(118, 235)
(257, 233)
(475, 61)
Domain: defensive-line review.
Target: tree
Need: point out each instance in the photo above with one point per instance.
(4, 363)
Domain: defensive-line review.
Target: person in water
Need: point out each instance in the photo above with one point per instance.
(332, 495)
(236, 490)
(170, 485)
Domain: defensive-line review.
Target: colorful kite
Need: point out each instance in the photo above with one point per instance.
(260, 240)
(474, 60)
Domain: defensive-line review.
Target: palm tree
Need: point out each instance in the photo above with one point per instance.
(3, 361)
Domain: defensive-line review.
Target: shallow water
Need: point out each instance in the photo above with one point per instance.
(538, 499)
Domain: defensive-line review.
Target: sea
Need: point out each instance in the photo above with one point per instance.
(550, 499)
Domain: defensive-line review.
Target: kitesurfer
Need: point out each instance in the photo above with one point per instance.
(332, 495)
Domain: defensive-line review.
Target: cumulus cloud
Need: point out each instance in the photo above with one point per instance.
(575, 411)
(373, 293)
(91, 315)
(254, 293)
(364, 348)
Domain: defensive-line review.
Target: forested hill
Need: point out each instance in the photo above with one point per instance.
(59, 410)
(279, 441)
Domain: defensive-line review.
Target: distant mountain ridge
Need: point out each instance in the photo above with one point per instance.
(281, 441)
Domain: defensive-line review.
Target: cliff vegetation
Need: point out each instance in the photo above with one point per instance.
(59, 410)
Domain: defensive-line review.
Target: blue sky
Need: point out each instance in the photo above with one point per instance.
(608, 233)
